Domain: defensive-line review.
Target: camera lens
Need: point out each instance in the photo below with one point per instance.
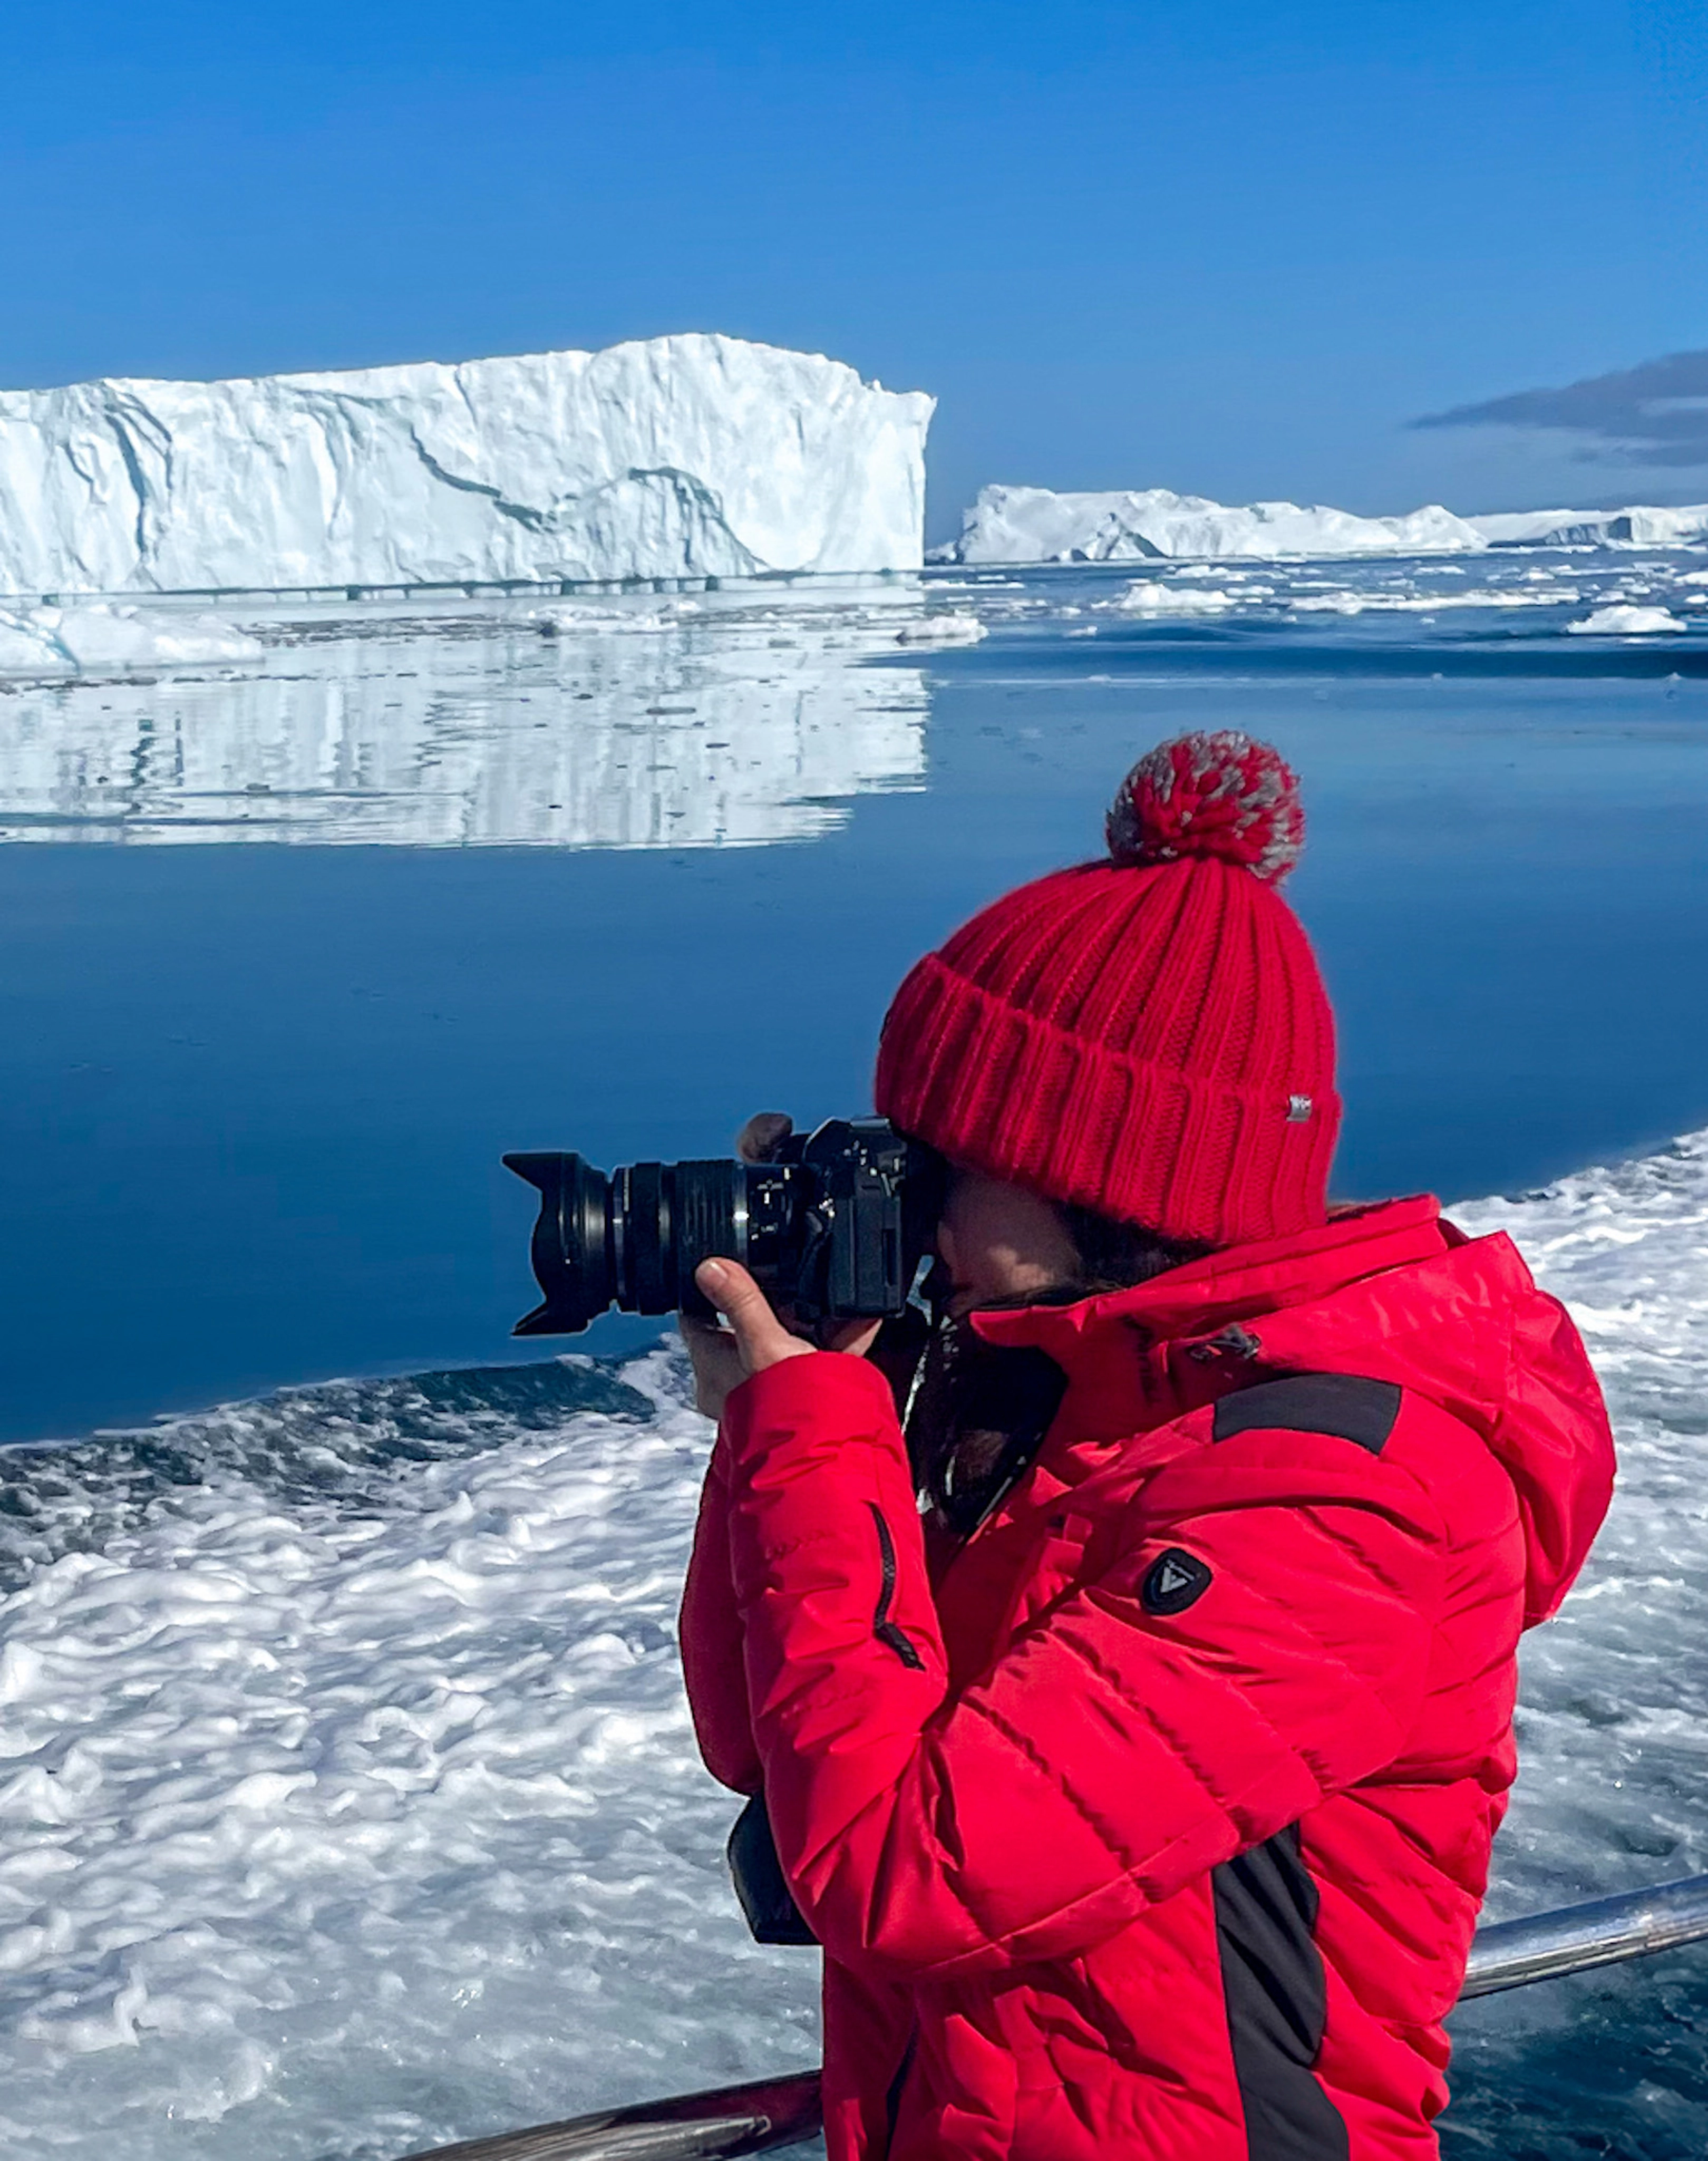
(571, 1252)
(666, 1218)
(837, 1227)
(633, 1240)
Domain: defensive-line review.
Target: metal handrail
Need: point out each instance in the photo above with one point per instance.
(771, 2112)
(1602, 1932)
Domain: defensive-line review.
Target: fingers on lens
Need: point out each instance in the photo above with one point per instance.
(763, 1135)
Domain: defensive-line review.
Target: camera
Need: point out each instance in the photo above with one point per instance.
(836, 1226)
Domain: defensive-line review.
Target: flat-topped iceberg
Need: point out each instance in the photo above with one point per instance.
(1015, 525)
(1037, 525)
(1639, 525)
(689, 456)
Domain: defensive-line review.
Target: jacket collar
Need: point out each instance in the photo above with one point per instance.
(1236, 1284)
(1136, 1358)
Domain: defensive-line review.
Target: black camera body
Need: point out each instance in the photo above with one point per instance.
(836, 1227)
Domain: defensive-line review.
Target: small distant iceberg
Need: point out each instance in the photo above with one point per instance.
(1017, 525)
(1024, 525)
(668, 458)
(1639, 525)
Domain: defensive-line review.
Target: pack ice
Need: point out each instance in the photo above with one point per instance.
(693, 456)
(1037, 525)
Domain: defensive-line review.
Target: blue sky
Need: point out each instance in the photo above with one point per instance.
(1230, 247)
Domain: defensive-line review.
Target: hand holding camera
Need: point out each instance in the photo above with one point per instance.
(834, 1227)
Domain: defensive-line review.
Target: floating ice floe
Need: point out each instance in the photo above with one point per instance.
(345, 1731)
(103, 639)
(1038, 525)
(1351, 603)
(671, 457)
(942, 630)
(1622, 620)
(1150, 597)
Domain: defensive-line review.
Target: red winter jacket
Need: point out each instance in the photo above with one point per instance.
(1156, 1827)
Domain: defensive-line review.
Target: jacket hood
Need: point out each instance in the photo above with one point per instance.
(1394, 1292)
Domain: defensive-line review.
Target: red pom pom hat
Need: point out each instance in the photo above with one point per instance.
(1147, 1036)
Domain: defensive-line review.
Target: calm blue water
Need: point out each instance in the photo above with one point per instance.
(253, 1096)
(291, 955)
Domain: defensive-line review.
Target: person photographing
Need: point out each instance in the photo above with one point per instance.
(1133, 1729)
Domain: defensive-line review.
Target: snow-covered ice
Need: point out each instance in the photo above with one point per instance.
(1037, 525)
(349, 1797)
(347, 1789)
(676, 456)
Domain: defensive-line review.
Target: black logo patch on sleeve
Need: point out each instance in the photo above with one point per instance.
(1172, 1581)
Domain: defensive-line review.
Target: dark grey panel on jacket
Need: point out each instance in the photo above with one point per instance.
(1345, 1405)
(1276, 1997)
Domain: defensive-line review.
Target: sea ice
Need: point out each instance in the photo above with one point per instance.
(942, 630)
(677, 456)
(1150, 597)
(350, 1796)
(1622, 620)
(1037, 525)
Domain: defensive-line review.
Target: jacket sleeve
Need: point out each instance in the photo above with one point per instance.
(1115, 1751)
(711, 1631)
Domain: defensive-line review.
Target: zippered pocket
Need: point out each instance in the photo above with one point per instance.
(893, 2098)
(886, 1631)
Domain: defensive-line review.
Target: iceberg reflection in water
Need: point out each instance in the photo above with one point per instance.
(643, 724)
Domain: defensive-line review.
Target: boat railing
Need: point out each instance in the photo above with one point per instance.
(768, 2113)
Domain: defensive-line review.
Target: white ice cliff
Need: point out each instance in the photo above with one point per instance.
(1037, 525)
(1640, 525)
(679, 456)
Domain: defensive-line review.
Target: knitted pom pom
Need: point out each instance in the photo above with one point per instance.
(1215, 794)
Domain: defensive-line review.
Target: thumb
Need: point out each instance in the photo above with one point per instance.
(760, 1336)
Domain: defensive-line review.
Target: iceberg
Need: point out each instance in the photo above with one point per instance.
(692, 456)
(1037, 525)
(1639, 525)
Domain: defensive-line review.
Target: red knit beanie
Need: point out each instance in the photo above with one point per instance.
(1147, 1036)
